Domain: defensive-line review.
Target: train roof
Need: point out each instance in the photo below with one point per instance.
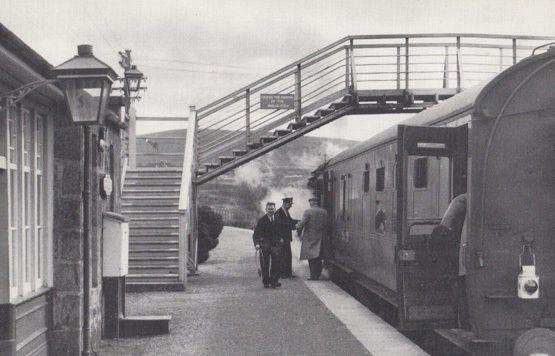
(455, 105)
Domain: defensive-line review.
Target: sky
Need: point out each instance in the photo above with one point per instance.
(194, 52)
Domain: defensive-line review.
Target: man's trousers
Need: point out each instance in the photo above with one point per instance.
(271, 267)
(286, 269)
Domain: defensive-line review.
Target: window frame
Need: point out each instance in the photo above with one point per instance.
(418, 176)
(366, 181)
(38, 199)
(27, 190)
(343, 195)
(12, 154)
(380, 178)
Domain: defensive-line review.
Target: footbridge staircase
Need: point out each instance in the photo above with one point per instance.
(356, 75)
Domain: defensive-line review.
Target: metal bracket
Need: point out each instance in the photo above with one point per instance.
(14, 96)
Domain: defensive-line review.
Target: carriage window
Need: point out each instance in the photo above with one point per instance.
(420, 173)
(366, 179)
(380, 179)
(394, 176)
(344, 195)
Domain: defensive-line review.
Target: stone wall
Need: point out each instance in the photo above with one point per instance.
(68, 229)
(66, 335)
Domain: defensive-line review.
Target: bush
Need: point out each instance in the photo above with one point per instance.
(210, 225)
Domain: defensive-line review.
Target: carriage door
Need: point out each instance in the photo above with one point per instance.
(426, 269)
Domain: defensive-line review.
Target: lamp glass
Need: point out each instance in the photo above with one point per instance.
(87, 98)
(133, 84)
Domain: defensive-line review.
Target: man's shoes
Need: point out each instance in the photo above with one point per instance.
(277, 285)
(266, 286)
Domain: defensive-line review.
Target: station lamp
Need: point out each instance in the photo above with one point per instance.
(86, 82)
(132, 78)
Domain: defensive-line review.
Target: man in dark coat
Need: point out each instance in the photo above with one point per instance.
(453, 226)
(267, 239)
(287, 224)
(315, 227)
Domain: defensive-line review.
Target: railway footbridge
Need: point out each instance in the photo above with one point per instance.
(356, 75)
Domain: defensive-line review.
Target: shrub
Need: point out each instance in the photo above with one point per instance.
(210, 225)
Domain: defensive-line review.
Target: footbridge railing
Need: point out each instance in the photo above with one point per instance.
(383, 73)
(441, 63)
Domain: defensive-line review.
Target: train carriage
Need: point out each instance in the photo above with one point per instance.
(495, 142)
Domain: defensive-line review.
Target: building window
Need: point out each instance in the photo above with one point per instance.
(380, 179)
(420, 173)
(25, 192)
(39, 262)
(13, 202)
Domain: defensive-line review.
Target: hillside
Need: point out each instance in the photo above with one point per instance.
(240, 194)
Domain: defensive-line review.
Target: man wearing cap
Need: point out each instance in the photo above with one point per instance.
(315, 227)
(267, 239)
(287, 224)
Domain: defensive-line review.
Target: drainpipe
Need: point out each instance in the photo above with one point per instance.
(86, 243)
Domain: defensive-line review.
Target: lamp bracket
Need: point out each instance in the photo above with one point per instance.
(14, 96)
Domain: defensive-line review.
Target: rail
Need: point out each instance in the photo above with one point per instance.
(188, 241)
(350, 65)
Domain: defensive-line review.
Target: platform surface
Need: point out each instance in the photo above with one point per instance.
(226, 311)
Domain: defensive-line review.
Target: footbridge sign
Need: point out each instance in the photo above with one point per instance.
(277, 101)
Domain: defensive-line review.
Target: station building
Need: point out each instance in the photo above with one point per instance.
(42, 256)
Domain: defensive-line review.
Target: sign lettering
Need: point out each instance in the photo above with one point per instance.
(277, 101)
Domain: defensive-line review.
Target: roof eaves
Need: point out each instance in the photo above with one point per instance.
(15, 45)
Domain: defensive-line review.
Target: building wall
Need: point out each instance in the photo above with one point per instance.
(48, 317)
(68, 234)
(68, 248)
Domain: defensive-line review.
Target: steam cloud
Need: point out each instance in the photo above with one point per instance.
(300, 197)
(254, 173)
(265, 172)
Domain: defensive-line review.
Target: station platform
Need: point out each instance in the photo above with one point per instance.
(226, 311)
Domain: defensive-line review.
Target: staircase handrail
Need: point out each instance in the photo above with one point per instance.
(188, 162)
(273, 74)
(367, 37)
(235, 119)
(187, 196)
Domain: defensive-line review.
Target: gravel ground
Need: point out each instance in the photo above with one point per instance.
(226, 311)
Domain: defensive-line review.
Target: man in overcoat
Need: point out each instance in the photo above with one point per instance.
(314, 227)
(287, 224)
(267, 239)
